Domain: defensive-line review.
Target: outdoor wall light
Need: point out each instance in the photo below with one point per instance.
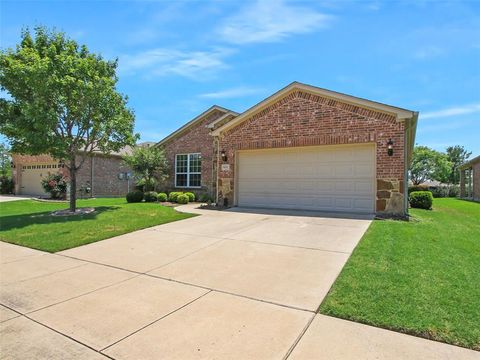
(390, 147)
(223, 154)
(12, 164)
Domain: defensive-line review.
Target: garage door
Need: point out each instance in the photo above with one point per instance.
(330, 178)
(30, 182)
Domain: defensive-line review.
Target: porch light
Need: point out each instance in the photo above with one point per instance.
(12, 164)
(390, 147)
(223, 154)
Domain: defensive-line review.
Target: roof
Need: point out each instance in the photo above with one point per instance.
(193, 122)
(410, 117)
(470, 163)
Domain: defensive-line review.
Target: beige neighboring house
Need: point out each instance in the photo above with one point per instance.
(470, 179)
(105, 175)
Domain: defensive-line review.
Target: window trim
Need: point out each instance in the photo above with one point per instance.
(188, 173)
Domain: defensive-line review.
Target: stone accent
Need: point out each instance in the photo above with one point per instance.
(301, 119)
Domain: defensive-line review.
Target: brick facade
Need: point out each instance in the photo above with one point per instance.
(103, 179)
(470, 180)
(304, 119)
(195, 139)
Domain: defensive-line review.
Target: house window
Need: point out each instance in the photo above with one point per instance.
(188, 170)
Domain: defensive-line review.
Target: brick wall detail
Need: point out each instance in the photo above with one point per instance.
(303, 119)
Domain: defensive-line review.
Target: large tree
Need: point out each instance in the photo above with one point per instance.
(429, 164)
(457, 155)
(5, 161)
(149, 165)
(62, 101)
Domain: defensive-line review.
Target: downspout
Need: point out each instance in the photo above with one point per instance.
(409, 134)
(92, 165)
(405, 169)
(217, 140)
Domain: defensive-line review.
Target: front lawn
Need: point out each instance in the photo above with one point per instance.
(420, 277)
(29, 223)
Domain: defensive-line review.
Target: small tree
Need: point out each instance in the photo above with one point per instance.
(428, 164)
(457, 155)
(5, 161)
(63, 102)
(149, 165)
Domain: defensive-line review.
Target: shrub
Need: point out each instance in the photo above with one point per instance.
(173, 196)
(421, 200)
(135, 196)
(55, 185)
(150, 196)
(6, 185)
(454, 191)
(417, 188)
(162, 197)
(182, 199)
(205, 198)
(191, 196)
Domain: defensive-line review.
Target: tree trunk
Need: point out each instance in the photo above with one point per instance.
(73, 185)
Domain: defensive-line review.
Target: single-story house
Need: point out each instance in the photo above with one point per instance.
(301, 148)
(105, 175)
(470, 179)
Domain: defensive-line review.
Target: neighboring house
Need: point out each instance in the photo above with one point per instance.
(470, 179)
(301, 148)
(105, 175)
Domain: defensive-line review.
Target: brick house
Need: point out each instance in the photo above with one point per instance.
(301, 148)
(470, 179)
(104, 174)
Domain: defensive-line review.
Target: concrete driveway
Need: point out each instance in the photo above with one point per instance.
(236, 284)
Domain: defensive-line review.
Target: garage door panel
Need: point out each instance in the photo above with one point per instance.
(327, 178)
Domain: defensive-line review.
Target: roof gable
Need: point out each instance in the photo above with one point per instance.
(398, 113)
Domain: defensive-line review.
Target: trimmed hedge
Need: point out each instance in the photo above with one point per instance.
(191, 196)
(182, 199)
(174, 195)
(162, 197)
(134, 196)
(205, 198)
(150, 196)
(421, 200)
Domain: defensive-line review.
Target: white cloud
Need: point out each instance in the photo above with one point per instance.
(453, 111)
(162, 62)
(271, 21)
(428, 52)
(231, 93)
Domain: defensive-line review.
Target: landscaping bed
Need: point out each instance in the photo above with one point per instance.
(31, 223)
(420, 277)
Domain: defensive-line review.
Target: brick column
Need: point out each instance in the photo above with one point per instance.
(462, 183)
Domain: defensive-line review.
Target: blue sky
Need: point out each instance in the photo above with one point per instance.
(178, 58)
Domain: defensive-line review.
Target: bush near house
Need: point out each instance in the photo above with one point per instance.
(174, 195)
(191, 196)
(421, 200)
(55, 185)
(205, 198)
(134, 196)
(6, 185)
(182, 199)
(150, 196)
(162, 197)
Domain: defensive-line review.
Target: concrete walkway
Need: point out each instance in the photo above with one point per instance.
(6, 198)
(236, 284)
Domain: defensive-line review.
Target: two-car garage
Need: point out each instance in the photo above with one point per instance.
(329, 178)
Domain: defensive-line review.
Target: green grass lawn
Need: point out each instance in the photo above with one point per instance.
(420, 277)
(29, 223)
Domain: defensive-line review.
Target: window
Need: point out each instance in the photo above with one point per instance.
(188, 170)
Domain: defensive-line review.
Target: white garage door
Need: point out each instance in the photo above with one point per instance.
(32, 175)
(330, 178)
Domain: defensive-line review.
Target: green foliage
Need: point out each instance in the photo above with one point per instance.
(134, 196)
(6, 185)
(417, 188)
(191, 196)
(205, 198)
(172, 197)
(63, 101)
(5, 161)
(55, 185)
(162, 197)
(429, 164)
(457, 155)
(149, 165)
(182, 199)
(150, 196)
(421, 200)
